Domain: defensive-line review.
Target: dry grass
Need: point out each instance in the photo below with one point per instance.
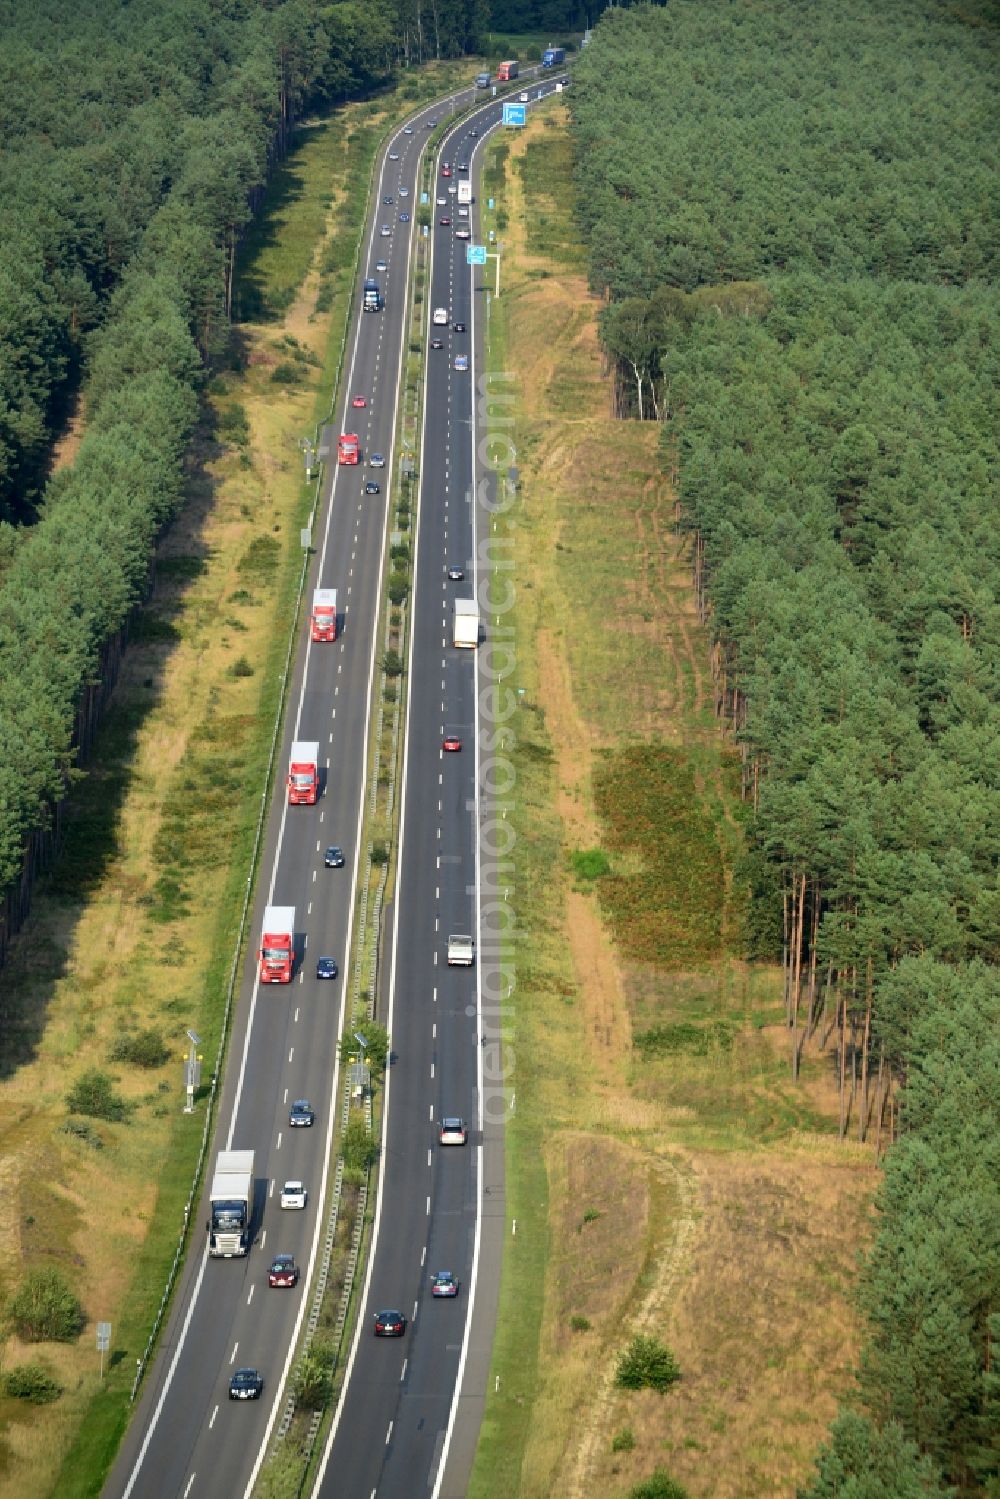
(90, 959)
(730, 1218)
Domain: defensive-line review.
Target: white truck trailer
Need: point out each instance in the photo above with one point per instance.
(231, 1205)
(465, 623)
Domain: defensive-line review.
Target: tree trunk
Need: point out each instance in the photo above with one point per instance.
(842, 1130)
(863, 1111)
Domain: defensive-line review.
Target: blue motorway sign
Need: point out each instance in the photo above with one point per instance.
(514, 114)
(475, 254)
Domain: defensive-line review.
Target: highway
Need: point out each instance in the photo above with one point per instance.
(441, 1208)
(186, 1437)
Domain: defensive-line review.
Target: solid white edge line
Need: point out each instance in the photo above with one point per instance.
(357, 845)
(474, 1274)
(373, 1241)
(335, 471)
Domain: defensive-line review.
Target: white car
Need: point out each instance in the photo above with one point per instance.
(294, 1195)
(407, 129)
(442, 201)
(463, 212)
(452, 188)
(524, 97)
(393, 155)
(440, 317)
(404, 192)
(385, 231)
(453, 1132)
(462, 233)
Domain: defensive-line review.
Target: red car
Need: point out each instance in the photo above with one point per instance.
(444, 221)
(451, 744)
(359, 403)
(283, 1272)
(445, 170)
(444, 1284)
(389, 1324)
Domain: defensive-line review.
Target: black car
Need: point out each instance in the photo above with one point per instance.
(456, 574)
(334, 857)
(388, 200)
(371, 487)
(246, 1384)
(458, 327)
(389, 1324)
(301, 1115)
(326, 968)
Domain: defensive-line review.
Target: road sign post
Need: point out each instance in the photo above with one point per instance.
(103, 1341)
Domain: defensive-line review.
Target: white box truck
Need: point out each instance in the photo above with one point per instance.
(231, 1204)
(461, 951)
(465, 625)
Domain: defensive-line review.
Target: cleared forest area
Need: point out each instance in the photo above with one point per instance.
(802, 299)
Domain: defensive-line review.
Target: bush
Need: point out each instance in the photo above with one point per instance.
(142, 1049)
(380, 853)
(399, 587)
(624, 1440)
(31, 1382)
(658, 1486)
(44, 1308)
(392, 664)
(359, 1148)
(579, 1323)
(286, 373)
(376, 1045)
(241, 668)
(647, 1364)
(81, 1130)
(93, 1095)
(314, 1378)
(590, 863)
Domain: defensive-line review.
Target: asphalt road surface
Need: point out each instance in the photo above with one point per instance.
(400, 1404)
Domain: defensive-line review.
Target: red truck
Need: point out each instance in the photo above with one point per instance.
(348, 447)
(277, 945)
(303, 773)
(506, 72)
(324, 614)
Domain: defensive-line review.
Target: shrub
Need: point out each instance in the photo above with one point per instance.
(44, 1308)
(624, 1440)
(31, 1382)
(590, 863)
(313, 1379)
(241, 668)
(399, 587)
(579, 1323)
(141, 1048)
(286, 373)
(376, 1045)
(647, 1364)
(380, 853)
(657, 1486)
(359, 1148)
(93, 1094)
(81, 1130)
(392, 664)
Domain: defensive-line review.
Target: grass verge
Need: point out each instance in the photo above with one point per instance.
(669, 1177)
(137, 926)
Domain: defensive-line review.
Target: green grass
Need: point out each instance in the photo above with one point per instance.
(668, 909)
(552, 230)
